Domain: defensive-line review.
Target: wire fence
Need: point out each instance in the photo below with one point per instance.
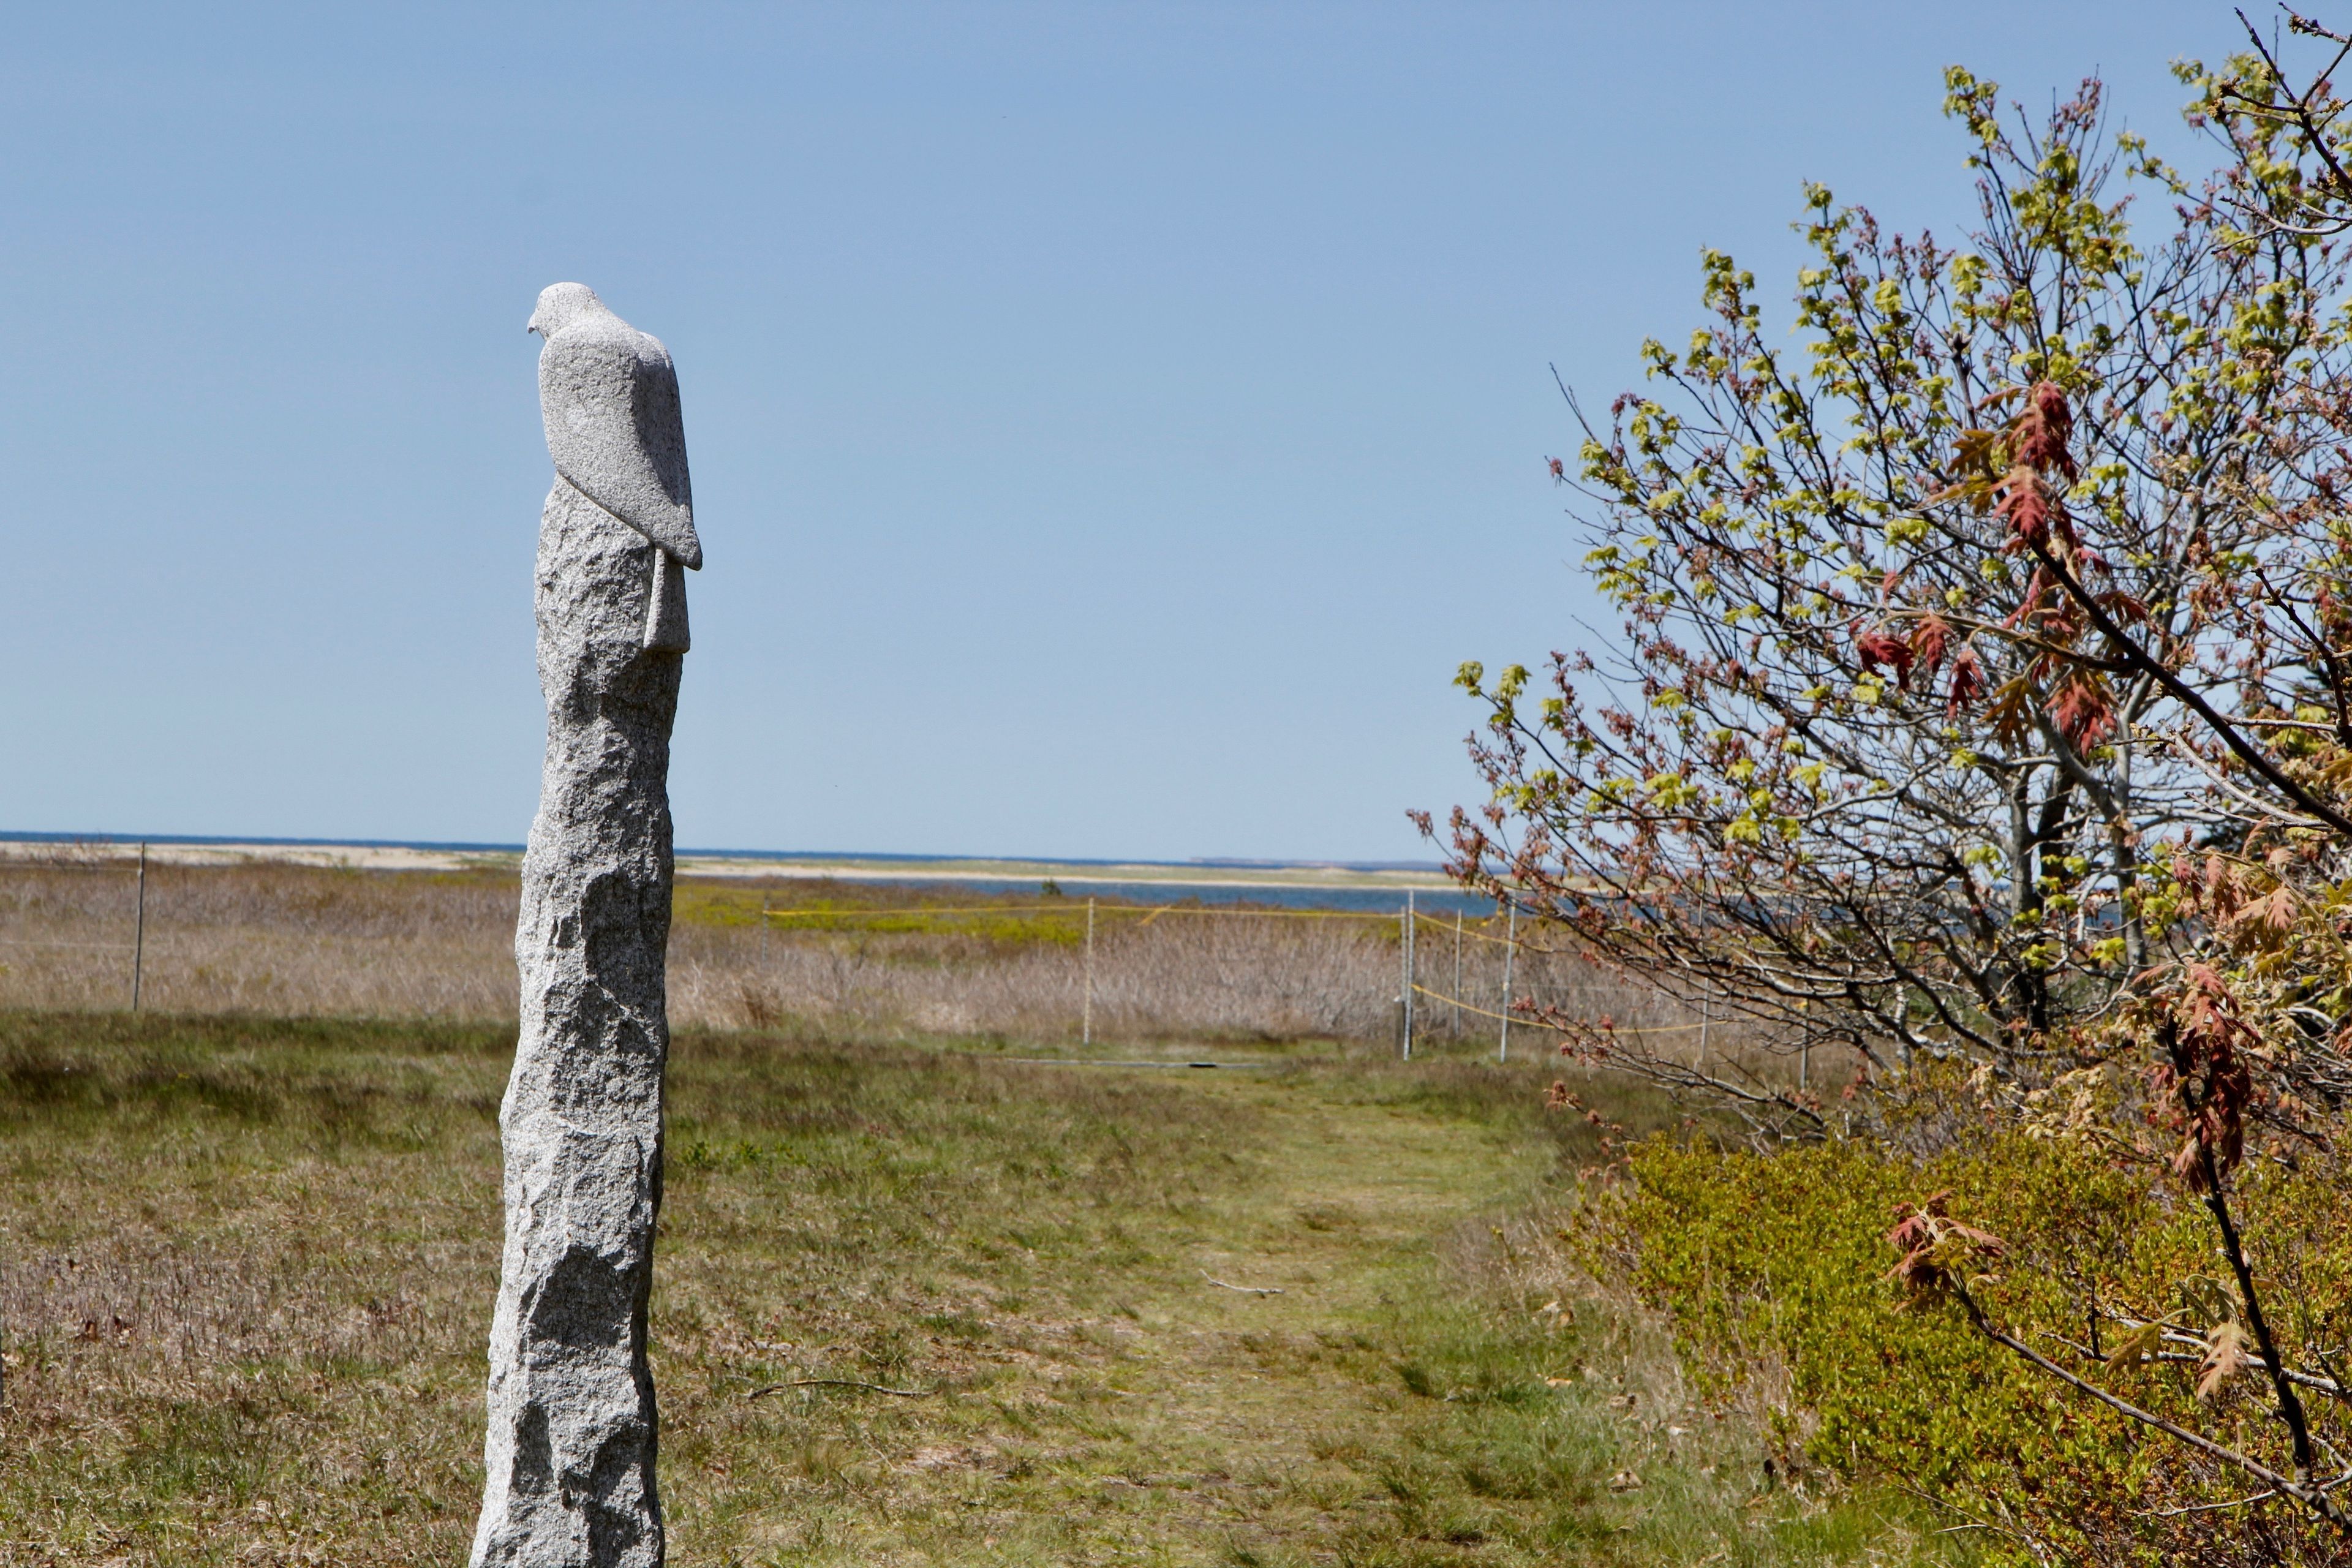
(1453, 1002)
(107, 928)
(134, 951)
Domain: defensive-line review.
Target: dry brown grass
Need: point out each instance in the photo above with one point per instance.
(292, 941)
(280, 940)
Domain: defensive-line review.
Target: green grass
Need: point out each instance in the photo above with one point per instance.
(248, 1269)
(997, 920)
(994, 919)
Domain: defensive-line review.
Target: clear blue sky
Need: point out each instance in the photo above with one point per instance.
(1110, 425)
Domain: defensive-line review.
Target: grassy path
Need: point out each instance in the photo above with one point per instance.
(248, 1269)
(1103, 1399)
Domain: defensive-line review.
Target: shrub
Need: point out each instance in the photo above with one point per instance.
(1779, 1264)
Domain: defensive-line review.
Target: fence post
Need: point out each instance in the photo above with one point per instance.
(1408, 976)
(1086, 1016)
(139, 932)
(1510, 952)
(1458, 975)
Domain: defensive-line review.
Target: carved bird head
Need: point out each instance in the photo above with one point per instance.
(561, 304)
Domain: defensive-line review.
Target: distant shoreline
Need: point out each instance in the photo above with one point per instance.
(1227, 876)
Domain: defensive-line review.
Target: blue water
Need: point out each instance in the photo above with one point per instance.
(1427, 901)
(1384, 900)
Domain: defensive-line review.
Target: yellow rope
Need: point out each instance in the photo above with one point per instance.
(1484, 1012)
(1473, 934)
(1538, 1023)
(877, 914)
(1075, 910)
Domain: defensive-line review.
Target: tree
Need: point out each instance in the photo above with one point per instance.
(1984, 707)
(1849, 777)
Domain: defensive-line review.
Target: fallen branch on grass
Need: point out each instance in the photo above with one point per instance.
(1245, 1289)
(841, 1382)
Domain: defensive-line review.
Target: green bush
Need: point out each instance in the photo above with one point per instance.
(1774, 1270)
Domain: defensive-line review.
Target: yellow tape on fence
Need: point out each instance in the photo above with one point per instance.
(880, 914)
(1152, 914)
(1555, 1028)
(1484, 1012)
(1471, 932)
(1078, 911)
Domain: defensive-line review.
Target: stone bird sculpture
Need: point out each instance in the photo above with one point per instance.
(608, 393)
(569, 1458)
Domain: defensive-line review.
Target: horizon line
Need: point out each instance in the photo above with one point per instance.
(459, 846)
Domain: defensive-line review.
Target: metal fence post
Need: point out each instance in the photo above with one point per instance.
(1510, 952)
(1086, 1016)
(1408, 976)
(1458, 975)
(139, 932)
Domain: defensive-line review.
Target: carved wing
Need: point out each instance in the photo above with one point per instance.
(609, 396)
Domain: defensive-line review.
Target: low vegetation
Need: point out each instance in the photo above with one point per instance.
(859, 960)
(249, 1262)
(1777, 1268)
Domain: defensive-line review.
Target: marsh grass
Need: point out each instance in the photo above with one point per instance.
(247, 1264)
(872, 960)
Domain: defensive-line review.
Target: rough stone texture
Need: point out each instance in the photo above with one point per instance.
(571, 1448)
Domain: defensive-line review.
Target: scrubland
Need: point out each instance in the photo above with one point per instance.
(1326, 1307)
(249, 1265)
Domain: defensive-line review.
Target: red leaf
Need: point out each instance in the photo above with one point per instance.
(1967, 680)
(2082, 710)
(2043, 431)
(2121, 606)
(2207, 1084)
(1927, 640)
(1881, 646)
(1932, 1242)
(2025, 506)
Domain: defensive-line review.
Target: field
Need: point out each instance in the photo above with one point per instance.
(249, 1265)
(860, 958)
(921, 1298)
